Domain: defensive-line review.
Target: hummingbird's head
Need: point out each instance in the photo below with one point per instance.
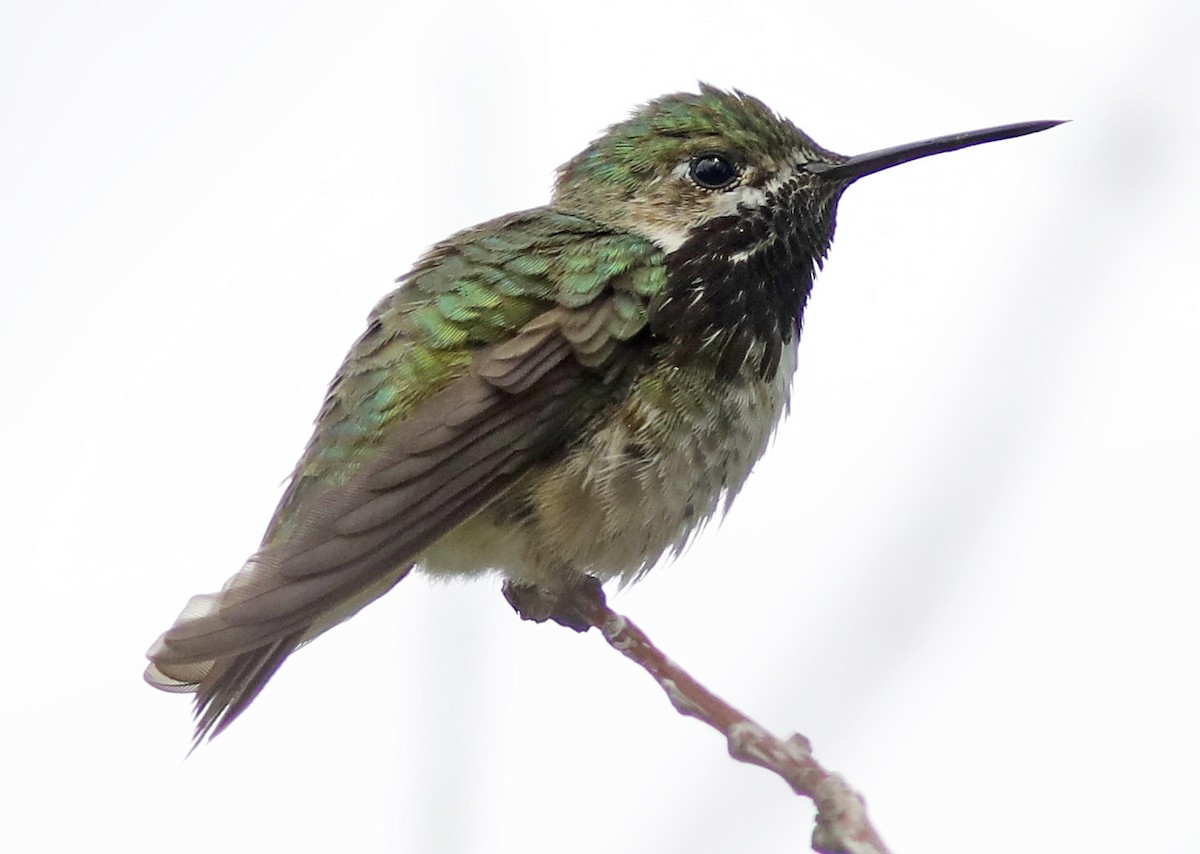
(743, 204)
(719, 182)
(685, 160)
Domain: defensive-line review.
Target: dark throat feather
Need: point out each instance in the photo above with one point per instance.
(736, 289)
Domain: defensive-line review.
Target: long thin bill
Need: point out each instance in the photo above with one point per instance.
(876, 161)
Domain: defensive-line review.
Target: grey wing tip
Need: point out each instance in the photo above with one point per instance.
(172, 676)
(156, 678)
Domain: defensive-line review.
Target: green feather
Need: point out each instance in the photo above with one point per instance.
(661, 133)
(477, 288)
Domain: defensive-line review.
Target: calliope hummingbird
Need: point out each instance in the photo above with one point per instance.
(568, 391)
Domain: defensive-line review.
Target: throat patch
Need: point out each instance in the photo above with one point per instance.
(737, 287)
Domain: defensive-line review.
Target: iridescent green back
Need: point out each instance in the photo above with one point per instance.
(473, 290)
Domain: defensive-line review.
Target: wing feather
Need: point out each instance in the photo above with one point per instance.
(382, 517)
(392, 468)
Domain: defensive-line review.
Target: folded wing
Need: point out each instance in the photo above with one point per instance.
(341, 539)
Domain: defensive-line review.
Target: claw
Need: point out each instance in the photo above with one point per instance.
(567, 606)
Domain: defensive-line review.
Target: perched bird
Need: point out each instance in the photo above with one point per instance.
(565, 392)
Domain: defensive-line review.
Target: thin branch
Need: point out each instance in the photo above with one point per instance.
(842, 824)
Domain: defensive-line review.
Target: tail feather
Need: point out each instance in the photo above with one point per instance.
(233, 683)
(223, 673)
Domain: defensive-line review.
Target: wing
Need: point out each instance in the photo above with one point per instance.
(484, 361)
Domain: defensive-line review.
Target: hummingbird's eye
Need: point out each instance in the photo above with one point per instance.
(713, 171)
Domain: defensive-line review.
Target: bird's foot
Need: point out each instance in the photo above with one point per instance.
(569, 606)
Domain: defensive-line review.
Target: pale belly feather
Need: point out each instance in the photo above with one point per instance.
(680, 447)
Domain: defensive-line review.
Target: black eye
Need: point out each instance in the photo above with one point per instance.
(713, 171)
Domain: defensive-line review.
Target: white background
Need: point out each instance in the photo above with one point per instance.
(967, 569)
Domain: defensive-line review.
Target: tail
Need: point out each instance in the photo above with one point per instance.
(226, 664)
(228, 685)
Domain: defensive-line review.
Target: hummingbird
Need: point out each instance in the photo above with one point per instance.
(562, 394)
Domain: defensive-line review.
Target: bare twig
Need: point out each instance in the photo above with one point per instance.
(842, 824)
